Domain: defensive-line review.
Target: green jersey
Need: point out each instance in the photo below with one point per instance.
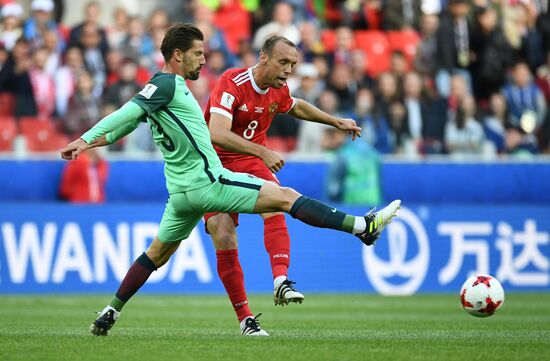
(178, 128)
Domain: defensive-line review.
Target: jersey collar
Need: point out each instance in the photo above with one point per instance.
(254, 85)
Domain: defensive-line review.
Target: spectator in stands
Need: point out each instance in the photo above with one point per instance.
(158, 21)
(459, 90)
(84, 108)
(398, 66)
(83, 180)
(282, 23)
(10, 29)
(233, 19)
(343, 85)
(15, 79)
(40, 21)
(92, 15)
(43, 85)
(126, 87)
(453, 45)
(543, 25)
(376, 130)
(543, 79)
(402, 15)
(309, 88)
(138, 43)
(463, 133)
(386, 93)
(4, 56)
(118, 30)
(491, 54)
(523, 36)
(400, 138)
(66, 78)
(343, 46)
(354, 175)
(310, 41)
(214, 37)
(525, 100)
(53, 62)
(425, 59)
(496, 122)
(310, 134)
(94, 57)
(358, 69)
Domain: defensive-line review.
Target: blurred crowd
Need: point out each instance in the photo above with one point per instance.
(421, 77)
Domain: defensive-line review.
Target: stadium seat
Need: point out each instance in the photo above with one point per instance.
(40, 135)
(328, 38)
(376, 46)
(405, 41)
(46, 141)
(8, 132)
(7, 104)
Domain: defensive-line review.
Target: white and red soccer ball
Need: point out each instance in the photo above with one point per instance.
(481, 295)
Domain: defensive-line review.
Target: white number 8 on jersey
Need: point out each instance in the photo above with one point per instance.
(249, 132)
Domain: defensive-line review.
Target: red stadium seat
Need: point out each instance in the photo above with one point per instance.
(7, 103)
(8, 132)
(46, 141)
(405, 41)
(32, 125)
(328, 38)
(376, 46)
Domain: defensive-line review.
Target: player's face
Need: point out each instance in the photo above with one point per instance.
(192, 61)
(280, 64)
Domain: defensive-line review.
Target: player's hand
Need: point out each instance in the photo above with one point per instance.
(349, 125)
(74, 148)
(273, 160)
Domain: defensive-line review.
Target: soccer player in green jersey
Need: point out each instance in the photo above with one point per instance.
(196, 181)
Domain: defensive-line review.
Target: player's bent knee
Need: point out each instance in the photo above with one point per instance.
(222, 230)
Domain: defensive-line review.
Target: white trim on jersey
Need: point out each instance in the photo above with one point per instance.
(294, 101)
(220, 111)
(240, 77)
(254, 85)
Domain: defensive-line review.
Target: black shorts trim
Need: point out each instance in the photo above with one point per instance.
(193, 142)
(223, 180)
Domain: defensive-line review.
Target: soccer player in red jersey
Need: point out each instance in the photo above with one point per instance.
(239, 113)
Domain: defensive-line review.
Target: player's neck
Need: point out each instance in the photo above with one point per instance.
(258, 75)
(169, 69)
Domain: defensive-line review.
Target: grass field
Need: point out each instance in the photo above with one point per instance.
(324, 327)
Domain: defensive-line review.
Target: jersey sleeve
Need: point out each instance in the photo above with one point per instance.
(225, 98)
(156, 94)
(287, 101)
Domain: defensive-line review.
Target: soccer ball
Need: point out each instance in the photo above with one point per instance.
(481, 295)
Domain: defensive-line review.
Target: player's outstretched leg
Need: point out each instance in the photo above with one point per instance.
(376, 221)
(318, 214)
(157, 254)
(277, 245)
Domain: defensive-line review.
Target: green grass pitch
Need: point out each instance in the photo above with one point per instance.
(324, 327)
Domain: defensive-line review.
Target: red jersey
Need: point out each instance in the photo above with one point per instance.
(251, 109)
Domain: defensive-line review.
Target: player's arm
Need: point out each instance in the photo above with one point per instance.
(306, 111)
(222, 136)
(129, 112)
(115, 135)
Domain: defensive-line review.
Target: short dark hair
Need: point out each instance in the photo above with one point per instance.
(272, 41)
(179, 36)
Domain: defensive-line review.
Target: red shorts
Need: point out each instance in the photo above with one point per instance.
(257, 168)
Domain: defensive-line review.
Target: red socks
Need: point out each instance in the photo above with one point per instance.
(277, 244)
(231, 274)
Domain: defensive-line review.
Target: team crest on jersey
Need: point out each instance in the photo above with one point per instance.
(273, 107)
(148, 91)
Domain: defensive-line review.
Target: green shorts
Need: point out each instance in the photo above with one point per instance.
(231, 192)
